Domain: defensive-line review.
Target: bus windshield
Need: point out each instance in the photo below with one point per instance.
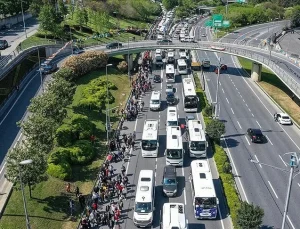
(174, 153)
(170, 76)
(205, 202)
(149, 145)
(182, 67)
(190, 101)
(197, 146)
(172, 123)
(143, 207)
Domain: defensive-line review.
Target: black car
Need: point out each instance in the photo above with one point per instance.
(156, 79)
(48, 68)
(255, 135)
(114, 45)
(164, 42)
(169, 181)
(3, 44)
(171, 99)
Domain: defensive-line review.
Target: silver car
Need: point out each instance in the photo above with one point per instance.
(169, 88)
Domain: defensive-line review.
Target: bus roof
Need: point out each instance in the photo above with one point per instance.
(170, 68)
(155, 95)
(174, 216)
(202, 179)
(145, 186)
(172, 114)
(174, 139)
(150, 131)
(181, 62)
(188, 87)
(196, 132)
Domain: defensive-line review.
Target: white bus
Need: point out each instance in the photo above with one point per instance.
(190, 99)
(144, 199)
(205, 201)
(182, 67)
(173, 216)
(149, 143)
(197, 140)
(182, 54)
(171, 58)
(170, 73)
(172, 117)
(174, 150)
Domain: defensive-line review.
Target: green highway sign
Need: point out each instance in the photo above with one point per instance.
(240, 1)
(226, 24)
(209, 23)
(217, 22)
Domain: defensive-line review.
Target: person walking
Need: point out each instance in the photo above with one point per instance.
(124, 192)
(72, 206)
(68, 187)
(77, 191)
(81, 200)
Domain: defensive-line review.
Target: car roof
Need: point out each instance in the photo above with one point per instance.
(283, 114)
(170, 93)
(170, 171)
(256, 131)
(190, 117)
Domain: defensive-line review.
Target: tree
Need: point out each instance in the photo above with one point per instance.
(62, 8)
(47, 18)
(169, 4)
(295, 17)
(249, 216)
(32, 173)
(81, 16)
(215, 129)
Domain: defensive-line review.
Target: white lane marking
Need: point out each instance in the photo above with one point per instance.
(282, 161)
(236, 88)
(238, 91)
(223, 227)
(236, 172)
(239, 124)
(298, 185)
(247, 140)
(252, 114)
(232, 110)
(184, 192)
(258, 124)
(264, 104)
(269, 140)
(273, 189)
(23, 90)
(246, 103)
(249, 109)
(223, 91)
(227, 100)
(290, 222)
(257, 160)
(130, 152)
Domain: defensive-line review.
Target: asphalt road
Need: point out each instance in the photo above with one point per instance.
(243, 106)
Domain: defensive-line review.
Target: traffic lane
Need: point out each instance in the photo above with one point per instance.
(9, 128)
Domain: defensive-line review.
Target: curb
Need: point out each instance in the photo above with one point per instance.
(6, 197)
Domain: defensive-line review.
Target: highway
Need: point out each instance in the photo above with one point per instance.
(243, 106)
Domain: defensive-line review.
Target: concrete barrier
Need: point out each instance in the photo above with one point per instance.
(12, 20)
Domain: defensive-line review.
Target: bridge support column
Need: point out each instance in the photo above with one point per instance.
(256, 71)
(130, 59)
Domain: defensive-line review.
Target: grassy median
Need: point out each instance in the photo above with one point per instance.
(276, 89)
(49, 207)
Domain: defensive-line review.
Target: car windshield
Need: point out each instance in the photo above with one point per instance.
(168, 181)
(174, 153)
(143, 207)
(190, 118)
(169, 86)
(172, 123)
(1, 42)
(155, 101)
(285, 117)
(197, 146)
(149, 145)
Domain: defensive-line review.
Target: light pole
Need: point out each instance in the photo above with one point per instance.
(23, 18)
(294, 163)
(107, 107)
(40, 70)
(217, 92)
(128, 60)
(226, 7)
(25, 162)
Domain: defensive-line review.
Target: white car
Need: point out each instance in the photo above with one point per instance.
(169, 88)
(284, 119)
(203, 35)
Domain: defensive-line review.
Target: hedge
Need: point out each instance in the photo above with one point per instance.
(62, 170)
(82, 152)
(64, 135)
(222, 162)
(82, 126)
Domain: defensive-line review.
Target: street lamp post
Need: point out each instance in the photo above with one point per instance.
(294, 163)
(128, 60)
(40, 70)
(107, 108)
(26, 162)
(217, 92)
(23, 18)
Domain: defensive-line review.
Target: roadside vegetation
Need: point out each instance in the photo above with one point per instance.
(58, 139)
(242, 213)
(277, 90)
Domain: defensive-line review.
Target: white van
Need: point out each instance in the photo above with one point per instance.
(155, 101)
(172, 117)
(174, 216)
(144, 199)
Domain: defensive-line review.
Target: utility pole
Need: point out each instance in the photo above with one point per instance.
(23, 18)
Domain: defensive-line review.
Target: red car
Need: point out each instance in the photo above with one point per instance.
(222, 67)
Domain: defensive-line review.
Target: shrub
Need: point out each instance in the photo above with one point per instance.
(82, 126)
(64, 73)
(82, 152)
(64, 135)
(215, 129)
(208, 110)
(82, 64)
(122, 66)
(61, 171)
(59, 154)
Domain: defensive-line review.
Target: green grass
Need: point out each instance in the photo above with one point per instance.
(34, 41)
(49, 207)
(277, 90)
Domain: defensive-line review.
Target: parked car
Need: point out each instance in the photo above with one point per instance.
(77, 50)
(255, 135)
(114, 45)
(284, 119)
(3, 44)
(157, 79)
(48, 68)
(164, 42)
